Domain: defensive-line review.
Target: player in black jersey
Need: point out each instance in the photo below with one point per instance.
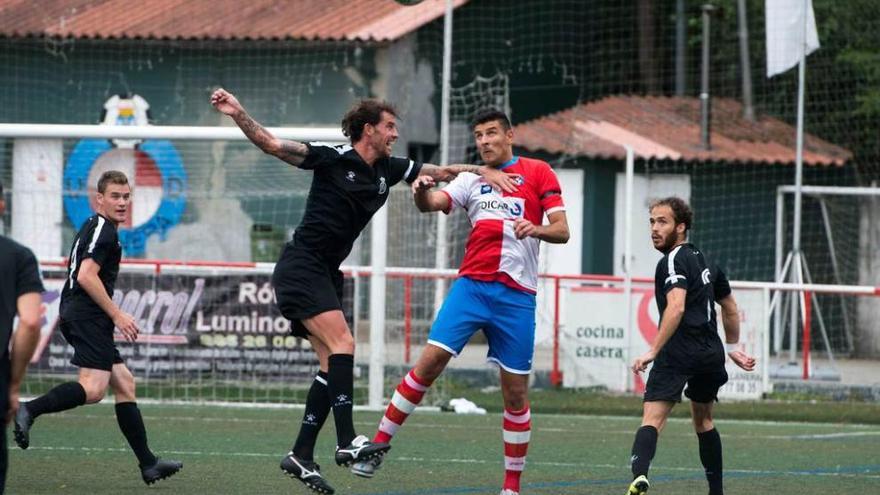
(88, 317)
(20, 289)
(350, 183)
(687, 349)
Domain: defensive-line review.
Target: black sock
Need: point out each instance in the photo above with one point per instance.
(340, 387)
(61, 398)
(317, 410)
(132, 425)
(644, 448)
(710, 455)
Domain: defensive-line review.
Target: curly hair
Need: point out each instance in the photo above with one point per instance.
(364, 112)
(681, 211)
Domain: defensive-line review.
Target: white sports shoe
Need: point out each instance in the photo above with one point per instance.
(366, 469)
(508, 491)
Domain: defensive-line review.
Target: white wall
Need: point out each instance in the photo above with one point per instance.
(645, 189)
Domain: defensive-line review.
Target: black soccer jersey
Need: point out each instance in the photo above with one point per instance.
(19, 275)
(695, 346)
(98, 240)
(345, 194)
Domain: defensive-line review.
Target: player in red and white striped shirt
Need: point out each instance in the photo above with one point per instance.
(496, 287)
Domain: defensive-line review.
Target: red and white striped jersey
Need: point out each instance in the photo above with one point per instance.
(493, 253)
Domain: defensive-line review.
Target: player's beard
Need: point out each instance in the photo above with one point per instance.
(670, 241)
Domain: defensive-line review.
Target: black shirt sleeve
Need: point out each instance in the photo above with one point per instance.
(677, 271)
(320, 154)
(403, 169)
(28, 276)
(102, 242)
(720, 285)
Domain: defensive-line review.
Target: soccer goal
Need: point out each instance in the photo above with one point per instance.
(841, 242)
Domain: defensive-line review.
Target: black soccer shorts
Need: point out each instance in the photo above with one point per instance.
(92, 342)
(667, 385)
(305, 286)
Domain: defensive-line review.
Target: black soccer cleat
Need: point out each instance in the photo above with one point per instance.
(161, 470)
(360, 449)
(23, 423)
(308, 472)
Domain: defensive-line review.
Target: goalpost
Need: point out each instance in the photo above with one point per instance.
(845, 215)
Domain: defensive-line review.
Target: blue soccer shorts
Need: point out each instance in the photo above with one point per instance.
(506, 315)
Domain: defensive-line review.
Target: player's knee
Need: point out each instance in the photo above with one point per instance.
(515, 402)
(429, 367)
(94, 392)
(703, 422)
(124, 390)
(341, 343)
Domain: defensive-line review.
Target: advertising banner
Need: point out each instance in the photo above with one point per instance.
(598, 352)
(218, 326)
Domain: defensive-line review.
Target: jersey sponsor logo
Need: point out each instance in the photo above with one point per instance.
(485, 189)
(513, 209)
(705, 276)
(383, 186)
(349, 176)
(516, 210)
(153, 167)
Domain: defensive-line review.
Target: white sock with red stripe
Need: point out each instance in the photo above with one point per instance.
(517, 432)
(404, 401)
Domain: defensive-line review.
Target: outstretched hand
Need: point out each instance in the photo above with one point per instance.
(225, 102)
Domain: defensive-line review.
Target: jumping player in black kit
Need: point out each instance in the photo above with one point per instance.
(687, 349)
(88, 317)
(350, 184)
(20, 289)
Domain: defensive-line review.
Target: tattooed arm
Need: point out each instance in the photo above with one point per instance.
(494, 177)
(292, 152)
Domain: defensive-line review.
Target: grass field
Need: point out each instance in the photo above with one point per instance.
(237, 450)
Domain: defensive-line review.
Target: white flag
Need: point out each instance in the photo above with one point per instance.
(785, 33)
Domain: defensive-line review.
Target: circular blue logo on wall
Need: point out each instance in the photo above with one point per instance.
(156, 174)
(154, 170)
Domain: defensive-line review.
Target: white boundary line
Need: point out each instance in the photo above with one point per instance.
(434, 409)
(421, 460)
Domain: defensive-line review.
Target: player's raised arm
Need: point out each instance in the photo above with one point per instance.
(426, 199)
(494, 177)
(292, 152)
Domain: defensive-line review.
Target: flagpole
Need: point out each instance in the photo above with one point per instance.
(799, 170)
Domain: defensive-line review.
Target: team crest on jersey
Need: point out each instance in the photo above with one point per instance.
(383, 187)
(519, 180)
(485, 189)
(350, 176)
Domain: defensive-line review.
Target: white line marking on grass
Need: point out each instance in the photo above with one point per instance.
(635, 418)
(616, 467)
(825, 436)
(541, 429)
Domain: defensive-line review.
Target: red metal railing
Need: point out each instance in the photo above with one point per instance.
(408, 275)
